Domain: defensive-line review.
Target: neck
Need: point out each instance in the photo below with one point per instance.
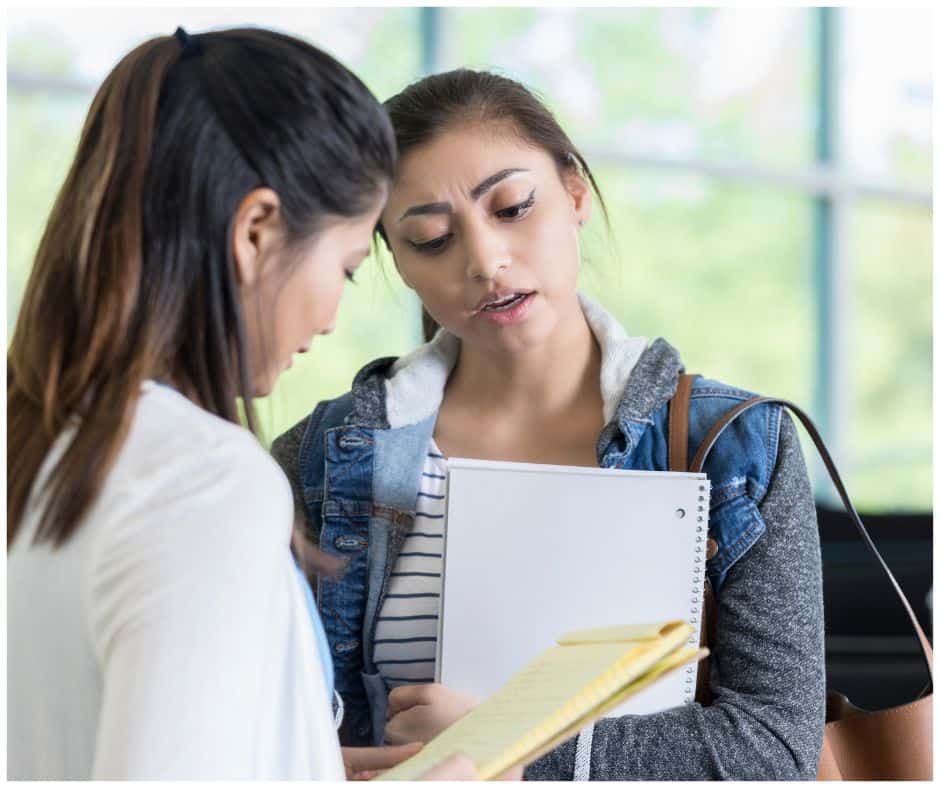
(542, 382)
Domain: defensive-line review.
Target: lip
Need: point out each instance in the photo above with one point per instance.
(499, 295)
(513, 315)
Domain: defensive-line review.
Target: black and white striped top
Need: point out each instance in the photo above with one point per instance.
(406, 630)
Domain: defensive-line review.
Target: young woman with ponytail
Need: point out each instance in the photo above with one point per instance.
(224, 187)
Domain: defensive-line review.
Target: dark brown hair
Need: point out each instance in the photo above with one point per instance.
(463, 97)
(134, 276)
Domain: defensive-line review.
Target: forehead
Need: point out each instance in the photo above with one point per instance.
(463, 157)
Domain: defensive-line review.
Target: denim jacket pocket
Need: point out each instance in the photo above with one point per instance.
(735, 525)
(377, 697)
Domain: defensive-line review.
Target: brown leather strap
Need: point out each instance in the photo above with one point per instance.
(679, 424)
(703, 688)
(698, 462)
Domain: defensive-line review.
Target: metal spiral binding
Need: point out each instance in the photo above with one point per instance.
(698, 581)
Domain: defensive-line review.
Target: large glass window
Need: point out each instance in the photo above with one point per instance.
(676, 83)
(889, 393)
(886, 97)
(703, 126)
(720, 270)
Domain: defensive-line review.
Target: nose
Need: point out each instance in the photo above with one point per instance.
(486, 253)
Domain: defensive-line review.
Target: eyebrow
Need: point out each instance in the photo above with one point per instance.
(475, 193)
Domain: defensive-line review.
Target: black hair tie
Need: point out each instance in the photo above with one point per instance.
(190, 46)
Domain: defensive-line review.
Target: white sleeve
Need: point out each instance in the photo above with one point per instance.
(194, 618)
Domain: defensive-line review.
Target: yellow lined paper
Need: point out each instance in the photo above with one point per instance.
(555, 695)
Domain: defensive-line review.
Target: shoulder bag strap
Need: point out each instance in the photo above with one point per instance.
(698, 462)
(679, 424)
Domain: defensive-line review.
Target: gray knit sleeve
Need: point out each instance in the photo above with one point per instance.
(767, 670)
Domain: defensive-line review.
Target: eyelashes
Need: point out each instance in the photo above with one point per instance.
(434, 245)
(512, 213)
(519, 210)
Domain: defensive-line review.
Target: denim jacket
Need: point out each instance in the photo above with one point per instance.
(356, 473)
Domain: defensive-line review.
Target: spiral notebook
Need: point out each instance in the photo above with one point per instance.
(534, 550)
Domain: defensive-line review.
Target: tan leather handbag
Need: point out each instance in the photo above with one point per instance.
(890, 744)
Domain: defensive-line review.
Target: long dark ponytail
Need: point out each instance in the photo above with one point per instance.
(134, 276)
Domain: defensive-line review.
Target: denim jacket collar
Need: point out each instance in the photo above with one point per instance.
(414, 384)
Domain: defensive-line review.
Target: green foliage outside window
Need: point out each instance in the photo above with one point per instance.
(722, 269)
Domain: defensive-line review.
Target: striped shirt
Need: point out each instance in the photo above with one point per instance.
(406, 630)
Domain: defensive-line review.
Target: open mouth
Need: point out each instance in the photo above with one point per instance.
(505, 303)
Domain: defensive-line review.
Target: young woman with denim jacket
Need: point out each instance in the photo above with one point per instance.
(483, 222)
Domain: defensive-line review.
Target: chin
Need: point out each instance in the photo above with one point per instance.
(524, 343)
(263, 388)
(519, 339)
(540, 326)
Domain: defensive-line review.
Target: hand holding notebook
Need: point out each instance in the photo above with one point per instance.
(419, 712)
(588, 673)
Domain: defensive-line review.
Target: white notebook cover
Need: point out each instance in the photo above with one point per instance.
(534, 551)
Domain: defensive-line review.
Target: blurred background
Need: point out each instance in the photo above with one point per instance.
(768, 175)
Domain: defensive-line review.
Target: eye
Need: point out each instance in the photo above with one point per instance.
(432, 246)
(519, 210)
(351, 276)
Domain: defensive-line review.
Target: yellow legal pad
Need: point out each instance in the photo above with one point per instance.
(586, 675)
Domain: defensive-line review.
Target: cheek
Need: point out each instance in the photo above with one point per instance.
(308, 304)
(549, 246)
(441, 287)
(321, 297)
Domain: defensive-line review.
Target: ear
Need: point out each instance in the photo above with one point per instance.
(582, 200)
(257, 231)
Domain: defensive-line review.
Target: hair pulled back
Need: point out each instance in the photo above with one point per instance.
(134, 276)
(467, 98)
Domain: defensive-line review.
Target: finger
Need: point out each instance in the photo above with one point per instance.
(408, 695)
(411, 725)
(457, 767)
(396, 731)
(361, 759)
(358, 776)
(312, 560)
